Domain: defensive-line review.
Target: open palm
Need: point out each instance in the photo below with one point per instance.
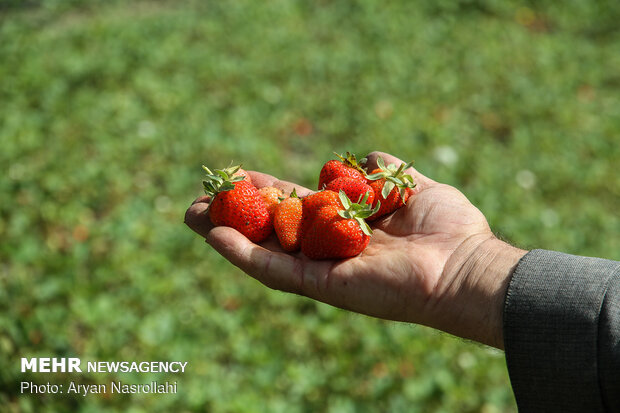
(414, 261)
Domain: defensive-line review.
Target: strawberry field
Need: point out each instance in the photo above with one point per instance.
(108, 109)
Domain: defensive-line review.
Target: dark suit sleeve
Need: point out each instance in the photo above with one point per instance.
(562, 333)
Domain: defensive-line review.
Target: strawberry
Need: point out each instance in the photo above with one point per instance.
(353, 188)
(348, 166)
(391, 186)
(313, 203)
(287, 222)
(338, 229)
(236, 203)
(271, 196)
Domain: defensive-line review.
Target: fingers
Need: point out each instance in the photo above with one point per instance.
(420, 180)
(202, 199)
(260, 180)
(196, 216)
(267, 262)
(276, 270)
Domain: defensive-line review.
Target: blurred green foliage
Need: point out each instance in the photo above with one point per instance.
(108, 109)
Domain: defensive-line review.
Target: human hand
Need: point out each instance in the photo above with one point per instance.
(433, 262)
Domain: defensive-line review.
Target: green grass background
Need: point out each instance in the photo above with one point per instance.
(108, 109)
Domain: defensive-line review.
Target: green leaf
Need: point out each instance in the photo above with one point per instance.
(364, 226)
(376, 208)
(401, 192)
(363, 198)
(400, 169)
(231, 170)
(344, 199)
(227, 186)
(221, 173)
(380, 163)
(375, 176)
(387, 188)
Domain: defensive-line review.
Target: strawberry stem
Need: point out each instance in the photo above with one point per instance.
(357, 211)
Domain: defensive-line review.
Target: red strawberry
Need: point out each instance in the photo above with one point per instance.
(287, 222)
(236, 203)
(312, 203)
(271, 196)
(353, 188)
(348, 165)
(338, 230)
(391, 186)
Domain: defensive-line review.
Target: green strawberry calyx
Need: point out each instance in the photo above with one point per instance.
(220, 180)
(351, 161)
(395, 177)
(293, 194)
(357, 210)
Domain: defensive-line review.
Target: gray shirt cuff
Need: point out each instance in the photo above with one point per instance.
(562, 333)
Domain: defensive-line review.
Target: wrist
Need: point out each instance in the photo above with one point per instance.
(478, 274)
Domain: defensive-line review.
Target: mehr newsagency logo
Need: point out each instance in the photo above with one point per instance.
(75, 365)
